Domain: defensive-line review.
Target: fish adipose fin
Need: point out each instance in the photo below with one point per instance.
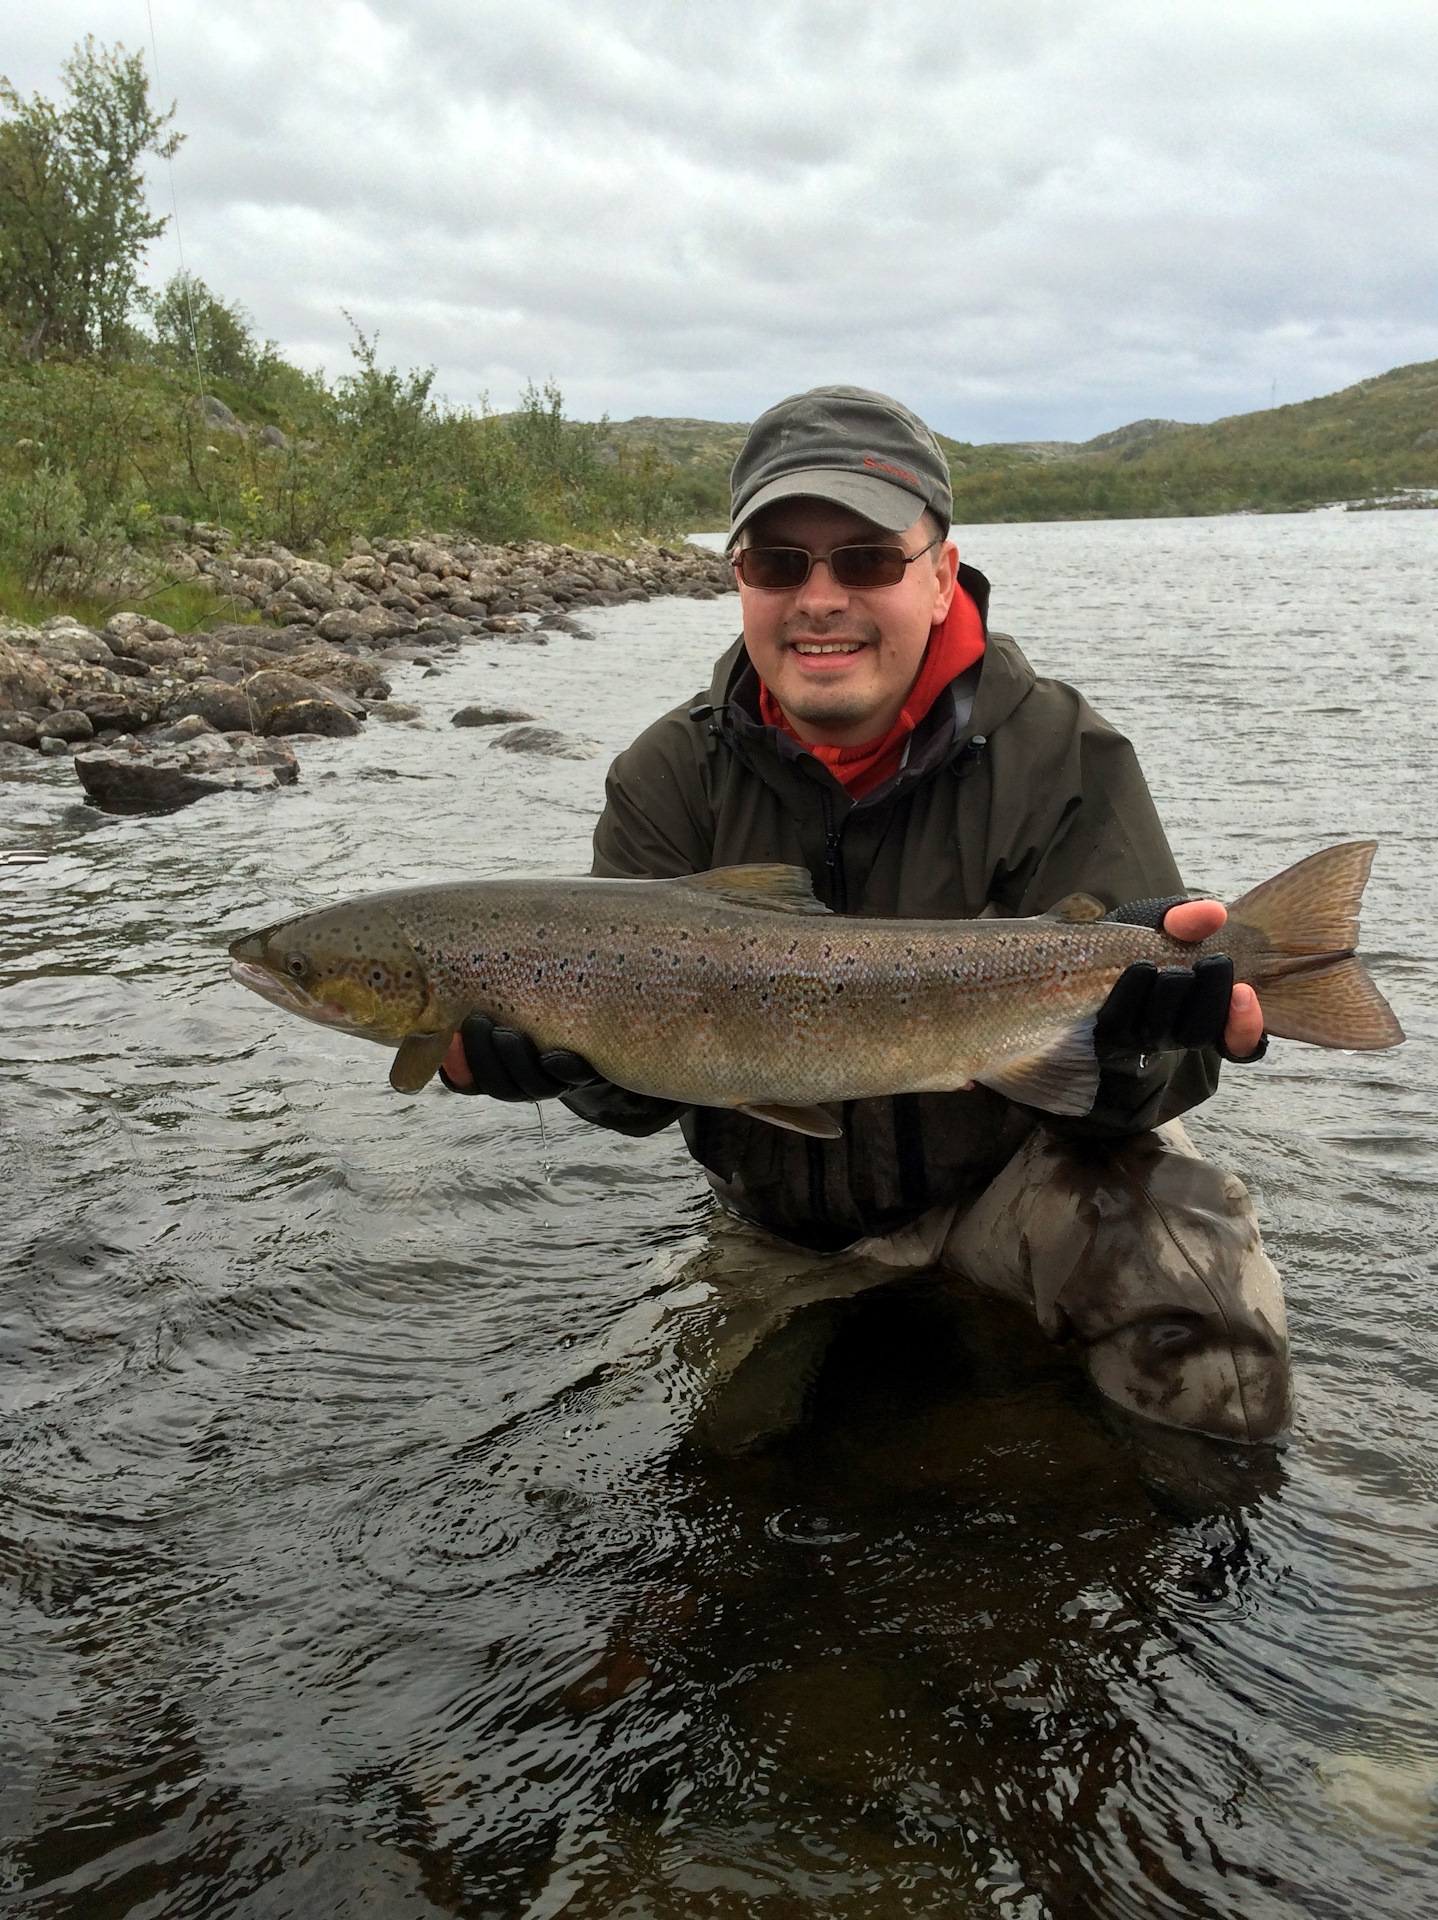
(418, 1061)
(811, 1120)
(1061, 1079)
(776, 888)
(1311, 986)
(1076, 907)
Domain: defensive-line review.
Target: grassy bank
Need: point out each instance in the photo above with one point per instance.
(102, 459)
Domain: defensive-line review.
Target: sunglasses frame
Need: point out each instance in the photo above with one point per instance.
(828, 559)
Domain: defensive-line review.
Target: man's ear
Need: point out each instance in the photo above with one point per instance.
(946, 572)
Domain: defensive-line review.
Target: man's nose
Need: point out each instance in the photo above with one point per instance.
(821, 591)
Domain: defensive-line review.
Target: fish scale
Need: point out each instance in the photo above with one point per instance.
(736, 988)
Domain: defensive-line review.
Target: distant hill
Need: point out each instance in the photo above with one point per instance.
(1372, 444)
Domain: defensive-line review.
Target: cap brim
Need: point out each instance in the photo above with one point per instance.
(887, 506)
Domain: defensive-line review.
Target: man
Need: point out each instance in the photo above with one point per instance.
(868, 727)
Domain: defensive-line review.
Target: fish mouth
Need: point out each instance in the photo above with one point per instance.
(285, 994)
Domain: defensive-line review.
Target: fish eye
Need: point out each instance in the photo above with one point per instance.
(297, 964)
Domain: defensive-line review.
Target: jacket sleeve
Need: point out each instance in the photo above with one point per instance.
(657, 822)
(1099, 833)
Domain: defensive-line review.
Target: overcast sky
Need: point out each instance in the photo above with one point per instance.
(1027, 218)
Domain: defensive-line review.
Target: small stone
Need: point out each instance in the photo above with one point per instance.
(19, 729)
(393, 710)
(565, 623)
(489, 716)
(51, 743)
(15, 757)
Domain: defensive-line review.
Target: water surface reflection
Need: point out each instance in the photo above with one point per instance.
(374, 1537)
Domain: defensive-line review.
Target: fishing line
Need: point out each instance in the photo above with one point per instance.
(230, 595)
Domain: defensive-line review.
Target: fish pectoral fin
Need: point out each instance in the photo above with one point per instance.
(811, 1120)
(1075, 907)
(1063, 1078)
(775, 888)
(418, 1061)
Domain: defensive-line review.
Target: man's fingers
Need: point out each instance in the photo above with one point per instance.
(1245, 1023)
(456, 1068)
(1194, 919)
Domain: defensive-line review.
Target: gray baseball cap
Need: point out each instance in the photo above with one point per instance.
(850, 445)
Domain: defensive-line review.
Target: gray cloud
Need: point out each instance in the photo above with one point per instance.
(1027, 217)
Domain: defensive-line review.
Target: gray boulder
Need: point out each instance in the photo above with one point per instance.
(223, 706)
(286, 703)
(18, 729)
(68, 724)
(148, 776)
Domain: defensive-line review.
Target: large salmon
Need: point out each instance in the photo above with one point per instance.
(736, 988)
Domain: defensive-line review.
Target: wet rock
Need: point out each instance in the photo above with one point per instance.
(18, 757)
(143, 776)
(488, 716)
(68, 724)
(393, 710)
(545, 740)
(566, 623)
(51, 743)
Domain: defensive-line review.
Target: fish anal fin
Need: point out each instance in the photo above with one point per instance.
(418, 1061)
(775, 888)
(1075, 907)
(1062, 1078)
(811, 1120)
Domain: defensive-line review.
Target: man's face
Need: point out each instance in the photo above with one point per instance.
(841, 661)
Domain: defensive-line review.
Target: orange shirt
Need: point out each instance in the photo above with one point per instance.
(953, 645)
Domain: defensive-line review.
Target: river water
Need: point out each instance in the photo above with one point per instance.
(356, 1554)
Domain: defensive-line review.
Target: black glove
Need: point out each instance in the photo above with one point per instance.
(507, 1065)
(1155, 1009)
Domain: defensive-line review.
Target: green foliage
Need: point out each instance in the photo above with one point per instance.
(50, 539)
(194, 326)
(73, 217)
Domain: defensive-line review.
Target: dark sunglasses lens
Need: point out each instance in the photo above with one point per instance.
(775, 569)
(876, 566)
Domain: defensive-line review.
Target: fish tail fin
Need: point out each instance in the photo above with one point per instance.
(1310, 982)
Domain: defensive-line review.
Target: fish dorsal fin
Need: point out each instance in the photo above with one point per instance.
(775, 888)
(418, 1061)
(1063, 1078)
(811, 1120)
(1077, 906)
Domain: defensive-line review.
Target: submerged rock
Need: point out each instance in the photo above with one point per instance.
(149, 776)
(559, 746)
(489, 716)
(393, 710)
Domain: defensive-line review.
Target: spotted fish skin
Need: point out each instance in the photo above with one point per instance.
(735, 988)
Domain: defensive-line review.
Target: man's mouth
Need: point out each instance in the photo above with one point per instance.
(811, 647)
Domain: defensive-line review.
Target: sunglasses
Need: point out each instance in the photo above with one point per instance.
(863, 567)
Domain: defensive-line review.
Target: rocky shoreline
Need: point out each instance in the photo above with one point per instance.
(154, 718)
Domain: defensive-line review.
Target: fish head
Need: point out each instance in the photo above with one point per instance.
(350, 967)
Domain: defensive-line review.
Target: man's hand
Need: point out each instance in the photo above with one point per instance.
(1195, 920)
(1162, 1009)
(506, 1064)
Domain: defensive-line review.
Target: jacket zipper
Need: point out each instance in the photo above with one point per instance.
(833, 855)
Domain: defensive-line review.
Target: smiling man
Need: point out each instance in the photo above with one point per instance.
(868, 725)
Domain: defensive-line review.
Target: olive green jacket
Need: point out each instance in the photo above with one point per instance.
(1014, 793)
